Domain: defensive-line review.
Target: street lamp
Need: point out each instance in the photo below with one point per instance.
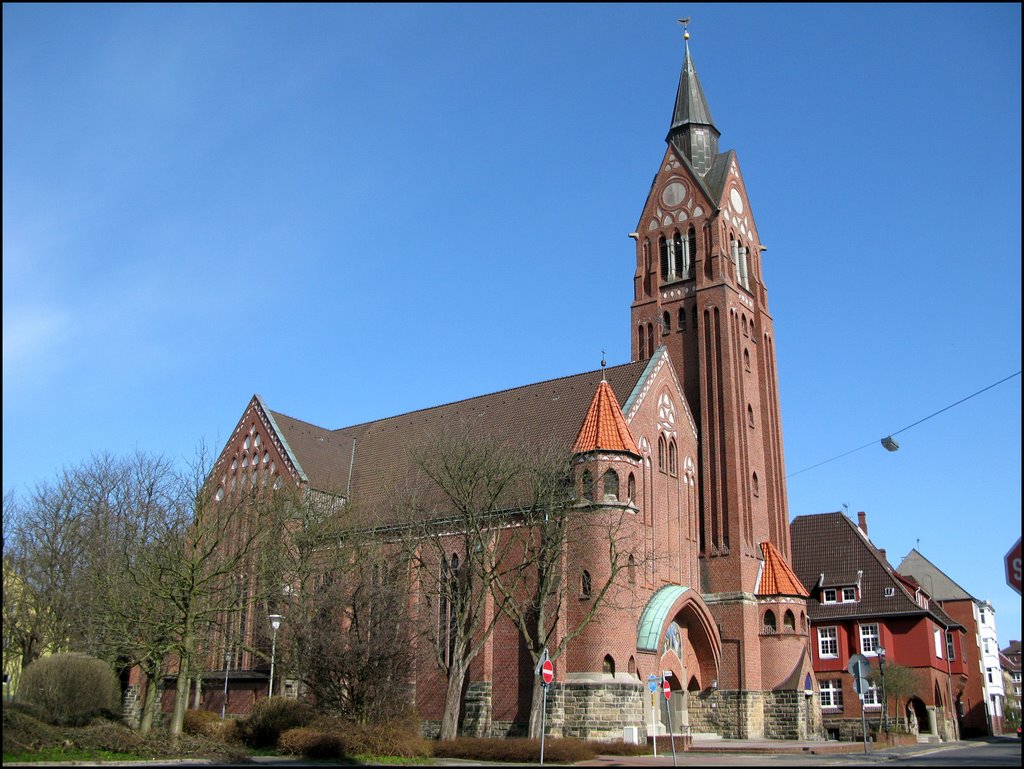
(885, 702)
(275, 623)
(224, 704)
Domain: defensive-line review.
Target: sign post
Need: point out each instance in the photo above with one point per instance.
(1012, 564)
(652, 684)
(859, 668)
(546, 671)
(668, 695)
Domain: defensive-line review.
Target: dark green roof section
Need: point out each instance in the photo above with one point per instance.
(691, 107)
(648, 632)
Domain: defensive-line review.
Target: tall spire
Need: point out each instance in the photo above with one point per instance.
(693, 130)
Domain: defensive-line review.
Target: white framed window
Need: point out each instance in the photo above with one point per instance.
(937, 636)
(831, 694)
(828, 642)
(849, 595)
(950, 646)
(869, 639)
(872, 697)
(890, 592)
(828, 595)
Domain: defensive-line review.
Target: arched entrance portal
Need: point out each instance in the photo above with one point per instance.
(678, 629)
(917, 715)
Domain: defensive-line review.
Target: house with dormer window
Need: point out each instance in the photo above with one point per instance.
(859, 604)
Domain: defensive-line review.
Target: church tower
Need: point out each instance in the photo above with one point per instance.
(700, 293)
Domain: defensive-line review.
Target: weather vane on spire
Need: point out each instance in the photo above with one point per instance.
(685, 22)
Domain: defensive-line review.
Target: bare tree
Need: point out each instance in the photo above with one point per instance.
(452, 510)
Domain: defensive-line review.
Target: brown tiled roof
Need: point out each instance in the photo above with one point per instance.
(604, 428)
(776, 576)
(365, 461)
(830, 550)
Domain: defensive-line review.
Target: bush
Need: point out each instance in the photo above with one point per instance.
(271, 717)
(311, 743)
(206, 723)
(70, 689)
(518, 751)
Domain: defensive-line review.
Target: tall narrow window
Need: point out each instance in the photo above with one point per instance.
(585, 586)
(750, 415)
(661, 453)
(631, 569)
(611, 485)
(769, 622)
(789, 621)
(682, 319)
(641, 343)
(691, 252)
(650, 340)
(672, 457)
(679, 258)
(588, 485)
(755, 485)
(663, 251)
(631, 487)
(746, 359)
(666, 322)
(743, 266)
(734, 257)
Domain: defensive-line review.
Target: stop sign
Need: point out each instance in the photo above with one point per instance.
(1012, 563)
(666, 688)
(547, 672)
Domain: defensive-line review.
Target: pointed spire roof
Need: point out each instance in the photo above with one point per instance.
(691, 106)
(604, 428)
(777, 578)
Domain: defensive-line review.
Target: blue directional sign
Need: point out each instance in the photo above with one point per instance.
(652, 683)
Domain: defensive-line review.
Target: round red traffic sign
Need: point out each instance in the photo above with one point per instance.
(666, 688)
(547, 672)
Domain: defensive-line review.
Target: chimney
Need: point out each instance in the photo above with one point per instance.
(882, 551)
(862, 522)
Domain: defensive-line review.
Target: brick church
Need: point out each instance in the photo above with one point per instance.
(686, 439)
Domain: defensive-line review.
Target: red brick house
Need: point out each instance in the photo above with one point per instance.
(859, 604)
(977, 714)
(691, 431)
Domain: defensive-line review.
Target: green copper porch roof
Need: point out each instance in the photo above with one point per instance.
(649, 631)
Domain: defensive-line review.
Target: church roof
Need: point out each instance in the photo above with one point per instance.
(777, 578)
(604, 428)
(691, 105)
(363, 461)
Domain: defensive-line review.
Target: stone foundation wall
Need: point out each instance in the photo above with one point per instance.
(743, 715)
(131, 705)
(599, 711)
(476, 709)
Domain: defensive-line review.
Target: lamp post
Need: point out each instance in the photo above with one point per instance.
(224, 704)
(275, 623)
(885, 702)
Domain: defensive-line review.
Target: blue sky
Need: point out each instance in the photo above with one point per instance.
(360, 210)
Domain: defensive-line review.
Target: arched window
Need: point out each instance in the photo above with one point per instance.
(678, 241)
(750, 415)
(682, 319)
(641, 348)
(663, 250)
(789, 621)
(608, 668)
(755, 485)
(611, 485)
(744, 325)
(585, 586)
(632, 666)
(803, 622)
(631, 569)
(746, 359)
(647, 267)
(694, 317)
(743, 267)
(672, 457)
(661, 453)
(734, 256)
(631, 487)
(588, 485)
(650, 340)
(769, 621)
(666, 323)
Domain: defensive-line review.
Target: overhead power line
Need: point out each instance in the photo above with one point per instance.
(903, 429)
